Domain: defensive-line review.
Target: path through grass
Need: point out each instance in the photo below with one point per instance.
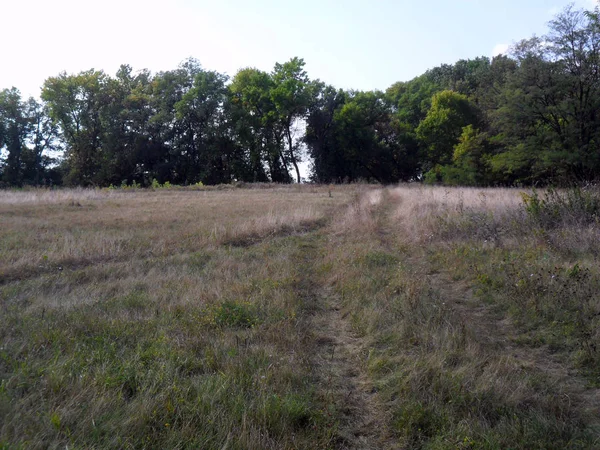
(281, 318)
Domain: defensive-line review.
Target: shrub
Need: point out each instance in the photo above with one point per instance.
(237, 315)
(575, 206)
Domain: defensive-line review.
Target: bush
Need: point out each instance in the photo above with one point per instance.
(236, 315)
(575, 206)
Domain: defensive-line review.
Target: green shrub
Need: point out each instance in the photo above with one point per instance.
(574, 206)
(237, 315)
(433, 176)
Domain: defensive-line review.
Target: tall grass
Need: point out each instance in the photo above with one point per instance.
(186, 318)
(127, 322)
(457, 348)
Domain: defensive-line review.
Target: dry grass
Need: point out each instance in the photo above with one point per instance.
(129, 320)
(286, 317)
(458, 357)
(423, 210)
(53, 197)
(43, 230)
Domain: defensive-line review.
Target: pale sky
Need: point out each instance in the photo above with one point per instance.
(350, 44)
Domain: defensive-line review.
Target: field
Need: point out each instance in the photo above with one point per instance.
(300, 317)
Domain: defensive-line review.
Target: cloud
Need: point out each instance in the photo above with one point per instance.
(500, 49)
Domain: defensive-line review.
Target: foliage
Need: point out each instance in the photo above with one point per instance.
(235, 314)
(291, 96)
(442, 127)
(575, 206)
(525, 118)
(27, 135)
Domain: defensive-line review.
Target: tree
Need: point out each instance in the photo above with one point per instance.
(202, 110)
(74, 102)
(412, 99)
(13, 134)
(469, 160)
(463, 77)
(42, 137)
(549, 106)
(260, 132)
(291, 96)
(369, 139)
(26, 132)
(442, 127)
(322, 134)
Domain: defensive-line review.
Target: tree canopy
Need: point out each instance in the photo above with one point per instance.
(529, 117)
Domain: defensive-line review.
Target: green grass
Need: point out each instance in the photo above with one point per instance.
(130, 372)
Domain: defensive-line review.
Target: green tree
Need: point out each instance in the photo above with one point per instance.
(26, 132)
(368, 138)
(464, 76)
(251, 91)
(548, 108)
(75, 102)
(209, 147)
(441, 129)
(412, 99)
(13, 135)
(470, 159)
(39, 166)
(291, 95)
(322, 136)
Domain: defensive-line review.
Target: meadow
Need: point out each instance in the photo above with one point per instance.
(300, 317)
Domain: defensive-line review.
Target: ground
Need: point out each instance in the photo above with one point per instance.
(332, 317)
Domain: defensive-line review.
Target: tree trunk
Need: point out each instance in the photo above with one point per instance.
(291, 150)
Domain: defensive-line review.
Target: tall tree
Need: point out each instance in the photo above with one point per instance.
(202, 109)
(291, 95)
(251, 91)
(75, 103)
(549, 107)
(26, 133)
(369, 139)
(13, 134)
(322, 134)
(41, 139)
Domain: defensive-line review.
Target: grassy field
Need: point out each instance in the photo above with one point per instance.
(300, 317)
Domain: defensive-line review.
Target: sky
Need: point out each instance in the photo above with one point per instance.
(350, 44)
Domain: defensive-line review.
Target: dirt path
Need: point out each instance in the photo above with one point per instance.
(340, 364)
(340, 356)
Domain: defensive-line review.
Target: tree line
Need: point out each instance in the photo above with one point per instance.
(530, 117)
